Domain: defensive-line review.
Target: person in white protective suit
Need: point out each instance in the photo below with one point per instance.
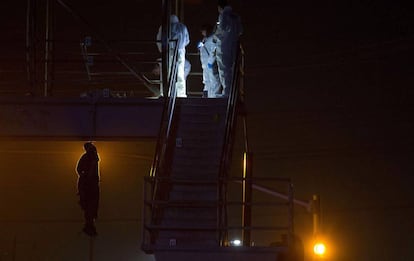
(179, 32)
(187, 68)
(227, 33)
(207, 48)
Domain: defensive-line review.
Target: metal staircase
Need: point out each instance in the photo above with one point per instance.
(190, 207)
(189, 196)
(186, 189)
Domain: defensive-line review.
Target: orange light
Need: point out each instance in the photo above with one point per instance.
(319, 249)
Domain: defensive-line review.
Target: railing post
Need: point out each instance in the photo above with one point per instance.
(291, 215)
(48, 77)
(31, 26)
(165, 50)
(144, 214)
(316, 215)
(247, 198)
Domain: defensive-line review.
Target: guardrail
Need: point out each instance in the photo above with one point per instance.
(272, 219)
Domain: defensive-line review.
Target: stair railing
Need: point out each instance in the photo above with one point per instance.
(160, 158)
(231, 115)
(161, 162)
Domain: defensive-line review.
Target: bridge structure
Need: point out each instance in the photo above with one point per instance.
(48, 118)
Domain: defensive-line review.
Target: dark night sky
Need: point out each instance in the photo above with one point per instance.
(329, 101)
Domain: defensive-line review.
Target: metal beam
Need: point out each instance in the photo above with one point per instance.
(79, 118)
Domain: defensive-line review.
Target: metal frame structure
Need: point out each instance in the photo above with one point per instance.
(45, 82)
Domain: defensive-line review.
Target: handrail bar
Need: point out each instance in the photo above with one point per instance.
(228, 143)
(285, 203)
(214, 228)
(167, 117)
(223, 179)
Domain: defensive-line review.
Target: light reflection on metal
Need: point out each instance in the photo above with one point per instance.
(244, 164)
(236, 242)
(247, 198)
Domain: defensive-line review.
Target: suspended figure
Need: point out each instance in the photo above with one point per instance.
(179, 33)
(227, 33)
(88, 187)
(207, 48)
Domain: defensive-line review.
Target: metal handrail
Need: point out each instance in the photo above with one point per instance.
(222, 180)
(149, 226)
(228, 139)
(166, 118)
(160, 162)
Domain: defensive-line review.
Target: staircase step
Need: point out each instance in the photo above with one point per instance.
(203, 188)
(199, 126)
(209, 134)
(188, 202)
(196, 162)
(182, 143)
(190, 174)
(203, 111)
(206, 198)
(190, 217)
(195, 146)
(215, 133)
(192, 152)
(211, 118)
(202, 102)
(171, 239)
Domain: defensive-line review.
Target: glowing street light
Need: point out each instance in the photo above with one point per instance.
(319, 249)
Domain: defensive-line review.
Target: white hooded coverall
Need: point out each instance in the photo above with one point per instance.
(179, 32)
(211, 78)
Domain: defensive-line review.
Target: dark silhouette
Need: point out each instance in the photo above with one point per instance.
(226, 36)
(88, 187)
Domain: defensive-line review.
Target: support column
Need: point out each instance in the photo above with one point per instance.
(48, 76)
(316, 215)
(31, 25)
